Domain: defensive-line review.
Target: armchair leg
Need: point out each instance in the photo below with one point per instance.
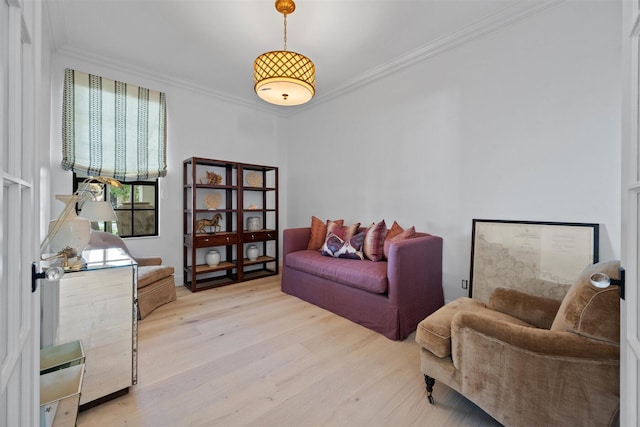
(430, 382)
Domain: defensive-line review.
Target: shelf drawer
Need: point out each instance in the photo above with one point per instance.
(259, 236)
(205, 240)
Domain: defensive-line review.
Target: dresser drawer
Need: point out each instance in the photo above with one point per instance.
(259, 236)
(218, 239)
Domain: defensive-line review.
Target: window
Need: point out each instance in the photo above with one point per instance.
(116, 130)
(135, 205)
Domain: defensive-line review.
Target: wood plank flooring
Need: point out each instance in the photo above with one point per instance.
(249, 355)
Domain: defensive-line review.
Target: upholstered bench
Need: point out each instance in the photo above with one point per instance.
(156, 287)
(156, 284)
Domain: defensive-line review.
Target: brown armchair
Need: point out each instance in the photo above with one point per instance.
(531, 361)
(156, 284)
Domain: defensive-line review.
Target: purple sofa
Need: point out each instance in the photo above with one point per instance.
(390, 297)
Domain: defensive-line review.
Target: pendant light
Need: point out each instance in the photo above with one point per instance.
(283, 77)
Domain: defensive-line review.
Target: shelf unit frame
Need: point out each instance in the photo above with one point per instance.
(234, 237)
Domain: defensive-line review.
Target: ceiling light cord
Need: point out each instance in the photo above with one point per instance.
(285, 32)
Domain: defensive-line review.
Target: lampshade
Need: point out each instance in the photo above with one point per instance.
(282, 77)
(98, 211)
(69, 231)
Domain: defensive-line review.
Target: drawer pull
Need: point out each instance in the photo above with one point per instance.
(253, 237)
(227, 238)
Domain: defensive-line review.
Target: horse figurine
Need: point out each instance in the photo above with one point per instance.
(213, 222)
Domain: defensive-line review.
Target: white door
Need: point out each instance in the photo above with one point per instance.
(630, 340)
(19, 307)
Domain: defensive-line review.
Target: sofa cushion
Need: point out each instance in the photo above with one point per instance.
(149, 274)
(319, 232)
(434, 332)
(334, 246)
(366, 275)
(373, 246)
(591, 311)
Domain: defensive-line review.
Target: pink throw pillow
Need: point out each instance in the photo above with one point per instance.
(335, 247)
(409, 233)
(374, 241)
(345, 232)
(319, 232)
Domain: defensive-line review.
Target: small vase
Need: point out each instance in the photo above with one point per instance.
(252, 252)
(212, 258)
(254, 223)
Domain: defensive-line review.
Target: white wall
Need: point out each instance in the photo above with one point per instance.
(198, 125)
(521, 124)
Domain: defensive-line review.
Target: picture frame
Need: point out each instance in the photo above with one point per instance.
(539, 258)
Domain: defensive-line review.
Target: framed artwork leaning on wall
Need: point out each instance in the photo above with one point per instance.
(539, 258)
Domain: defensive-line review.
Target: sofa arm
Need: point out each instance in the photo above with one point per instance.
(295, 239)
(526, 376)
(535, 310)
(414, 271)
(471, 333)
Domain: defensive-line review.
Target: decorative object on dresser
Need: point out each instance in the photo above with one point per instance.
(213, 258)
(213, 200)
(213, 223)
(252, 252)
(255, 186)
(254, 223)
(69, 234)
(254, 179)
(211, 178)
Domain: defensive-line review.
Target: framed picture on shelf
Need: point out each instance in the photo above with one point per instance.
(539, 258)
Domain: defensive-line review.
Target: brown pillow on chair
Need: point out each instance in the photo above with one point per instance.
(590, 311)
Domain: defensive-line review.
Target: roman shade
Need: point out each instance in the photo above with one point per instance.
(112, 128)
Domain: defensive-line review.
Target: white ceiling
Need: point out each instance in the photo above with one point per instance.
(210, 45)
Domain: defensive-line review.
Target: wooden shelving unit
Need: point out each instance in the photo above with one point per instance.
(245, 190)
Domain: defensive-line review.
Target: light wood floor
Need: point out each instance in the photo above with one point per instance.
(247, 354)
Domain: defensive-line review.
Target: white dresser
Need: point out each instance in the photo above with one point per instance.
(98, 306)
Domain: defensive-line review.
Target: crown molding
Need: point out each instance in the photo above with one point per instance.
(162, 79)
(492, 23)
(498, 21)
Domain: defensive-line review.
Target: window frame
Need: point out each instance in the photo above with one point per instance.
(154, 183)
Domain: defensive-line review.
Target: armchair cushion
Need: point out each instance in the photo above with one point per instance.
(590, 311)
(434, 332)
